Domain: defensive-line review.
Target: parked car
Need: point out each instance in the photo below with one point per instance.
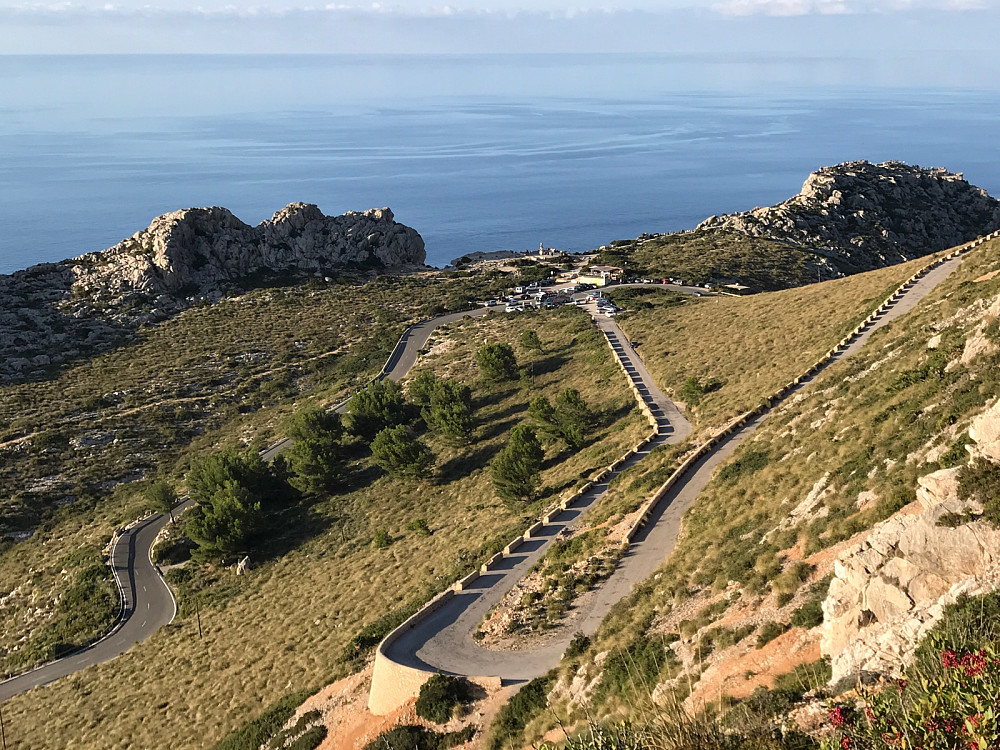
(490, 303)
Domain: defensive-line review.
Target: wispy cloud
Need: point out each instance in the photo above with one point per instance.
(840, 7)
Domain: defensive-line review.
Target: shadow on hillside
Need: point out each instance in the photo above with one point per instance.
(288, 529)
(461, 466)
(545, 365)
(496, 429)
(608, 417)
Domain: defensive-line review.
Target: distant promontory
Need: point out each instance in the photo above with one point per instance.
(54, 312)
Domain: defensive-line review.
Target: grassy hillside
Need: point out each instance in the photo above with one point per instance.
(287, 624)
(749, 346)
(70, 445)
(744, 582)
(703, 256)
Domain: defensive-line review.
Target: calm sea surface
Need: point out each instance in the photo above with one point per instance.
(477, 153)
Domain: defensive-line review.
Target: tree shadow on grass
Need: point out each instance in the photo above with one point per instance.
(496, 429)
(608, 417)
(546, 365)
(288, 529)
(461, 466)
(491, 395)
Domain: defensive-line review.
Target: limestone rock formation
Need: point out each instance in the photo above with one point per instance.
(201, 250)
(54, 312)
(862, 216)
(890, 590)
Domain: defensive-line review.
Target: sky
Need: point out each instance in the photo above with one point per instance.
(762, 27)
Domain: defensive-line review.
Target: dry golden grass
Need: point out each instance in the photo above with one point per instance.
(285, 625)
(867, 425)
(225, 373)
(755, 344)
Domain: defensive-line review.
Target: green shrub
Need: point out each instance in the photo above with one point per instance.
(497, 362)
(956, 707)
(577, 646)
(809, 615)
(253, 734)
(749, 463)
(440, 695)
(310, 739)
(413, 737)
(980, 481)
(634, 669)
(527, 703)
(419, 526)
(382, 539)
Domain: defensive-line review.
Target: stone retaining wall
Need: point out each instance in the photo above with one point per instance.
(778, 396)
(393, 684)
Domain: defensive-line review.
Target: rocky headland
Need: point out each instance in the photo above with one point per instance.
(54, 312)
(857, 216)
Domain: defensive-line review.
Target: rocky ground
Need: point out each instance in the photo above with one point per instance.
(861, 216)
(55, 312)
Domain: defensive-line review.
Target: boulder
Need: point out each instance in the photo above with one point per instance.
(891, 589)
(985, 431)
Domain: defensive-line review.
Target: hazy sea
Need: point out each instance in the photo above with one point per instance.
(475, 152)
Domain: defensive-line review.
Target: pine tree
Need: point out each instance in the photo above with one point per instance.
(516, 469)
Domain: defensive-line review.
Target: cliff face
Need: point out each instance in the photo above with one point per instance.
(889, 591)
(205, 250)
(863, 216)
(54, 312)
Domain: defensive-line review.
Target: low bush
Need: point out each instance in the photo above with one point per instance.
(253, 734)
(634, 669)
(419, 526)
(577, 646)
(980, 481)
(510, 721)
(749, 463)
(809, 615)
(955, 708)
(414, 737)
(440, 695)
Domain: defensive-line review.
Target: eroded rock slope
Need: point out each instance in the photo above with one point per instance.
(54, 312)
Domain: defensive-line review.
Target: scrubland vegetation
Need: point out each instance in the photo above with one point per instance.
(729, 353)
(296, 619)
(703, 256)
(830, 463)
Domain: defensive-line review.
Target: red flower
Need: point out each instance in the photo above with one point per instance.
(845, 743)
(901, 684)
(838, 717)
(949, 659)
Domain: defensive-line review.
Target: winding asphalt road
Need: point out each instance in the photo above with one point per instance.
(443, 641)
(148, 606)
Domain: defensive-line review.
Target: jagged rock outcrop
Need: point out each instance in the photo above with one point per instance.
(54, 312)
(890, 590)
(862, 216)
(204, 250)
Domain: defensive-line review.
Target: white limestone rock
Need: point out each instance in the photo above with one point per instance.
(872, 215)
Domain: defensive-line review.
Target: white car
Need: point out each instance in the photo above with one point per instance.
(610, 313)
(490, 303)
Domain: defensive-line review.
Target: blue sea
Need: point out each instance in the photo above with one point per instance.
(475, 152)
